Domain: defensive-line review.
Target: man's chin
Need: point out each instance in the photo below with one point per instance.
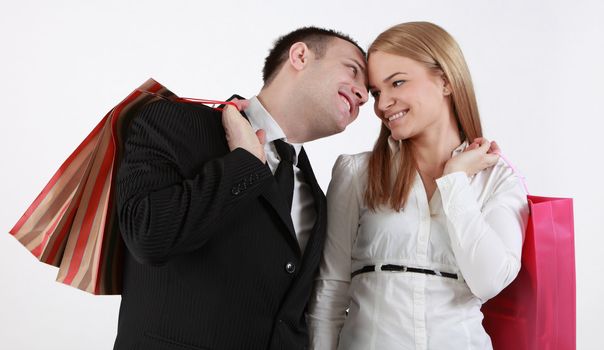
(342, 126)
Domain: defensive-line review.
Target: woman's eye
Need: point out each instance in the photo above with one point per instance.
(374, 93)
(398, 83)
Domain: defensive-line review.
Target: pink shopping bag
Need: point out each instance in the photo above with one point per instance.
(537, 311)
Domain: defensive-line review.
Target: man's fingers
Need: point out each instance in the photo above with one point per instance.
(241, 104)
(232, 117)
(228, 113)
(261, 134)
(231, 111)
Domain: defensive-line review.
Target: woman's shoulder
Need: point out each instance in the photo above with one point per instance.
(351, 163)
(502, 175)
(503, 170)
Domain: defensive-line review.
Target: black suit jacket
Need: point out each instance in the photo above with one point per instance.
(212, 260)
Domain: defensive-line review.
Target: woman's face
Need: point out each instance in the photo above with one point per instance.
(408, 97)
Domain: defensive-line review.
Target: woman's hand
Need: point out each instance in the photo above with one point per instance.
(479, 155)
(239, 132)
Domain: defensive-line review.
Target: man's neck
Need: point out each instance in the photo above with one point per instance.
(285, 113)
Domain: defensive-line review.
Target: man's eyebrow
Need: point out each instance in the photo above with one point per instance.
(360, 66)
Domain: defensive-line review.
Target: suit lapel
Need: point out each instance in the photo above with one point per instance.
(317, 234)
(312, 254)
(277, 201)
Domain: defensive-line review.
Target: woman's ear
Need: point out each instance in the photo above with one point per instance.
(299, 55)
(446, 85)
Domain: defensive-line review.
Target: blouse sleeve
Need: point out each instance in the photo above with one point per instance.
(487, 240)
(328, 304)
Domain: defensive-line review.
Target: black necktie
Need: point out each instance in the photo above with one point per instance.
(285, 170)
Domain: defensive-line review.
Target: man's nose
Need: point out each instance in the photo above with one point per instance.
(361, 94)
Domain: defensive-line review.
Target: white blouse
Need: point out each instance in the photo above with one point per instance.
(473, 227)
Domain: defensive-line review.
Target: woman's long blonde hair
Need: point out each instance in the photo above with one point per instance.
(432, 46)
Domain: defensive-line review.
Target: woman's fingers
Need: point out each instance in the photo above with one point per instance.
(472, 147)
(484, 145)
(490, 160)
(494, 148)
(483, 142)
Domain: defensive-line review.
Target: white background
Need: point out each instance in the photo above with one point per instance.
(538, 69)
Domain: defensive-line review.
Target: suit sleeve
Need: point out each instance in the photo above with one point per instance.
(162, 213)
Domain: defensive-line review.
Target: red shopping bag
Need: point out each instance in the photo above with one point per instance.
(537, 311)
(72, 223)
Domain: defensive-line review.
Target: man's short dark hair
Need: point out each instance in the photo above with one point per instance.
(315, 38)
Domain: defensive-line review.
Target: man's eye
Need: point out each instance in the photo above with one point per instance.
(354, 70)
(398, 83)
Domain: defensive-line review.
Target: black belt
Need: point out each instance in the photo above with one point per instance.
(401, 268)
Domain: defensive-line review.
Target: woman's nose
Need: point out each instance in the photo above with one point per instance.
(385, 102)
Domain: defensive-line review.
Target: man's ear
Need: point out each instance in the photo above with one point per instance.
(299, 55)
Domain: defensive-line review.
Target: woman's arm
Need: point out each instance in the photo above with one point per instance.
(487, 240)
(328, 304)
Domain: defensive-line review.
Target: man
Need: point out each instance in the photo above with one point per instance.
(221, 252)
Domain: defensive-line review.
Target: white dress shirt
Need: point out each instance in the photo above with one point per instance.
(302, 212)
(473, 227)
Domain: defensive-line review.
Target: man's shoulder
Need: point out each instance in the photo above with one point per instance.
(177, 116)
(172, 107)
(177, 123)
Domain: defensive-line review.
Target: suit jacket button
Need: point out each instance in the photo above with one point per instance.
(235, 190)
(290, 267)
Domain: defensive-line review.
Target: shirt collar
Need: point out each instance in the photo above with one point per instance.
(260, 118)
(460, 148)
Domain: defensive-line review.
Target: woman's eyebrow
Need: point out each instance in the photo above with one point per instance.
(392, 76)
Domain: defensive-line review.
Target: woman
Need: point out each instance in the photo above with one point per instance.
(427, 226)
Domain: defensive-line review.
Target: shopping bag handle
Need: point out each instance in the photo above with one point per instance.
(207, 102)
(194, 100)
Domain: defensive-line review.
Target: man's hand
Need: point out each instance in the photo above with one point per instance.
(239, 132)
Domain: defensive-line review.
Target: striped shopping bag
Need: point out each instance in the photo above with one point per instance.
(72, 223)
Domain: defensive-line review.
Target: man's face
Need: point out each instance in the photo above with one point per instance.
(334, 86)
